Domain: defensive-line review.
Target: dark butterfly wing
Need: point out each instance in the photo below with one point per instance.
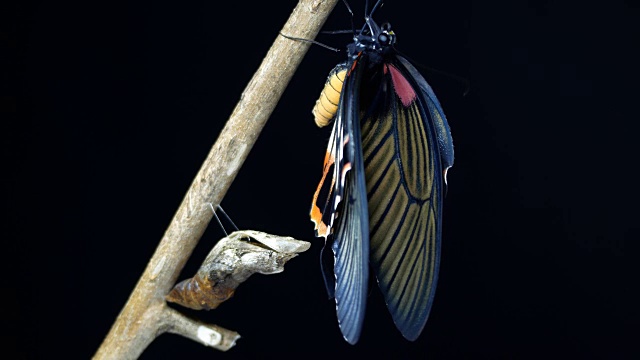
(434, 113)
(404, 165)
(346, 204)
(351, 242)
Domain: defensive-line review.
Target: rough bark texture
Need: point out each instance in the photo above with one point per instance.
(140, 320)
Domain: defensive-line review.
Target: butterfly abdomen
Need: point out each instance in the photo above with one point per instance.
(327, 104)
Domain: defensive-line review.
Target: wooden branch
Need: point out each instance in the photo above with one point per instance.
(140, 320)
(214, 336)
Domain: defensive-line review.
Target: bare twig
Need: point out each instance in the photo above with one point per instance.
(140, 320)
(208, 335)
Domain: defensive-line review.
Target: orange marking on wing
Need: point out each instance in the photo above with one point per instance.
(316, 213)
(353, 66)
(316, 217)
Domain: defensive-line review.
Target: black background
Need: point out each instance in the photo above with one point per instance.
(109, 108)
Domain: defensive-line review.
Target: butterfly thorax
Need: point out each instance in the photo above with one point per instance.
(375, 41)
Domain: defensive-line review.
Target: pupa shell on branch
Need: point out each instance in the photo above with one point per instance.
(231, 261)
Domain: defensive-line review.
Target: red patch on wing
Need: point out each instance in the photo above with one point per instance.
(401, 86)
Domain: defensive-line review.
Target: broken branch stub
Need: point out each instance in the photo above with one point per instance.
(231, 261)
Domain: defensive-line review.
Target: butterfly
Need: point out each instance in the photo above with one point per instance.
(380, 199)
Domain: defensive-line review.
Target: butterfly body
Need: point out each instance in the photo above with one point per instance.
(379, 203)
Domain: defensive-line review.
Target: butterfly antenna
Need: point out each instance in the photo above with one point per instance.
(378, 4)
(330, 32)
(369, 15)
(353, 26)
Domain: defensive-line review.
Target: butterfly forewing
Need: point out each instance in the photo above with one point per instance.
(434, 113)
(404, 191)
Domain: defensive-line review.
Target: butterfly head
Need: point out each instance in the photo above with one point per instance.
(373, 40)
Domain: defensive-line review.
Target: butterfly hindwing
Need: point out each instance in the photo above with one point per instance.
(351, 236)
(344, 219)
